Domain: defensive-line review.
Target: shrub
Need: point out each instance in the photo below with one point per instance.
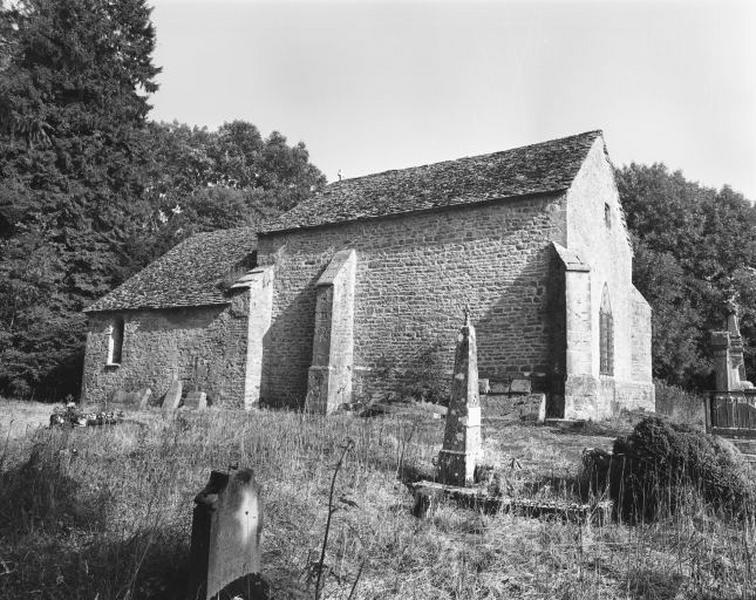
(661, 466)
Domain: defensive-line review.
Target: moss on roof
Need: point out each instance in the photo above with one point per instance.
(540, 168)
(190, 274)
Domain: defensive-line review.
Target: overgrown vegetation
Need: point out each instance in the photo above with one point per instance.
(682, 406)
(695, 250)
(106, 512)
(662, 468)
(90, 190)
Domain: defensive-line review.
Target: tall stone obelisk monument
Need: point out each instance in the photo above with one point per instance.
(457, 459)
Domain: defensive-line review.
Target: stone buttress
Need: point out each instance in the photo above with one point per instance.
(329, 379)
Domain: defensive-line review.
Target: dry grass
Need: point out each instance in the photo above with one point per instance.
(19, 419)
(106, 513)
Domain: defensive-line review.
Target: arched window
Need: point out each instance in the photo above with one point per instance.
(115, 341)
(606, 335)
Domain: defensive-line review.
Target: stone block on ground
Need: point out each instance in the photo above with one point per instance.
(499, 387)
(513, 408)
(225, 547)
(196, 401)
(429, 494)
(520, 386)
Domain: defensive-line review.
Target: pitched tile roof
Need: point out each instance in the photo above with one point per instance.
(540, 168)
(191, 274)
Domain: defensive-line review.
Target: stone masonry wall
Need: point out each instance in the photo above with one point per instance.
(205, 347)
(606, 248)
(640, 369)
(415, 274)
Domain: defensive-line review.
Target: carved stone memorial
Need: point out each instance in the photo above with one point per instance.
(729, 366)
(456, 462)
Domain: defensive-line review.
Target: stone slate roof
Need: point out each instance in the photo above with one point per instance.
(547, 167)
(191, 274)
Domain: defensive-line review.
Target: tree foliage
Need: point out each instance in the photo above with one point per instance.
(90, 190)
(695, 250)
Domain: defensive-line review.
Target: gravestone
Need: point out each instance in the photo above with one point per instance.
(143, 397)
(225, 547)
(173, 395)
(196, 400)
(461, 449)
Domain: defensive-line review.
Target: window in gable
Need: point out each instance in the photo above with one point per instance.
(606, 335)
(115, 341)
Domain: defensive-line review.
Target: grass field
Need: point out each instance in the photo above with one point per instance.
(105, 513)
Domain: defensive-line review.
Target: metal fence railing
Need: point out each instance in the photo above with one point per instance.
(731, 412)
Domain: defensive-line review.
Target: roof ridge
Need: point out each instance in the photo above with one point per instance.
(547, 166)
(595, 132)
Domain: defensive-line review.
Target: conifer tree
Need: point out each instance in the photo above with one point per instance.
(73, 103)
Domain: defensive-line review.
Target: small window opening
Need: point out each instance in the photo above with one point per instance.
(115, 342)
(608, 216)
(606, 335)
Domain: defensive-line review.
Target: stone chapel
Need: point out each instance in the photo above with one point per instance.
(309, 309)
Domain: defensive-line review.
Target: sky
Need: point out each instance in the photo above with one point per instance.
(375, 85)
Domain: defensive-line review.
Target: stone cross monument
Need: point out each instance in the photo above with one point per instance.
(456, 461)
(727, 346)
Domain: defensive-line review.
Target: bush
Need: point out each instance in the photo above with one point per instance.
(661, 466)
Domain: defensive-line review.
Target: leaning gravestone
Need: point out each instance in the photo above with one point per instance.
(461, 449)
(173, 396)
(196, 400)
(225, 548)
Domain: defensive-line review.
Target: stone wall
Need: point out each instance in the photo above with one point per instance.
(640, 368)
(596, 232)
(415, 274)
(205, 347)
